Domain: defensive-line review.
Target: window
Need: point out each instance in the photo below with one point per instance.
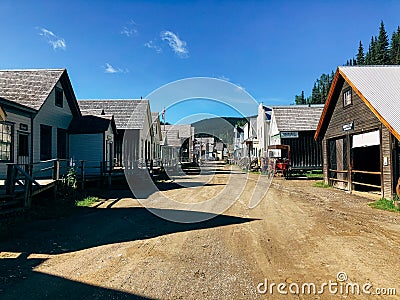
(347, 98)
(61, 143)
(45, 142)
(6, 133)
(59, 97)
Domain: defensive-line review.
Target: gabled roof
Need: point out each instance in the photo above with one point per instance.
(90, 124)
(184, 130)
(31, 88)
(297, 117)
(128, 113)
(155, 116)
(377, 86)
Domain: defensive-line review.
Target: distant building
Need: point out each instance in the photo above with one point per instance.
(250, 138)
(263, 125)
(295, 125)
(157, 138)
(238, 145)
(177, 143)
(132, 117)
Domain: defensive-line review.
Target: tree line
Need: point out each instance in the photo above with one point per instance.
(380, 52)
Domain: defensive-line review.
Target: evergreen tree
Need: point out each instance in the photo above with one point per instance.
(382, 44)
(360, 55)
(394, 53)
(300, 99)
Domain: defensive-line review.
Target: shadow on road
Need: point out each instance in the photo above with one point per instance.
(87, 228)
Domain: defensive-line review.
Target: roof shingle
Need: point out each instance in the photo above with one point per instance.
(296, 117)
(128, 114)
(28, 87)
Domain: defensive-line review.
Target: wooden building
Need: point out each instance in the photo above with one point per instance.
(39, 106)
(157, 138)
(131, 116)
(360, 128)
(295, 125)
(177, 143)
(91, 139)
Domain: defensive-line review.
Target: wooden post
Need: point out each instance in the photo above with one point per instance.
(109, 177)
(56, 176)
(10, 184)
(349, 164)
(28, 188)
(83, 173)
(101, 169)
(56, 170)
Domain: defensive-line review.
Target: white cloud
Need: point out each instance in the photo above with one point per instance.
(112, 70)
(178, 45)
(55, 41)
(153, 45)
(130, 29)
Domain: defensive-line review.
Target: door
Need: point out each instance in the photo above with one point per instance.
(23, 148)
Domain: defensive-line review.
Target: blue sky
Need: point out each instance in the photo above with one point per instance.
(127, 49)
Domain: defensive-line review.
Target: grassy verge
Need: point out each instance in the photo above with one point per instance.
(87, 201)
(321, 184)
(384, 204)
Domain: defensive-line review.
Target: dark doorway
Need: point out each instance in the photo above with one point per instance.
(23, 148)
(45, 142)
(366, 160)
(61, 143)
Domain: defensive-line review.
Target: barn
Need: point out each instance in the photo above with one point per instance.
(360, 130)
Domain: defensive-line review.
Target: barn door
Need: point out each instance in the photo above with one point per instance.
(338, 163)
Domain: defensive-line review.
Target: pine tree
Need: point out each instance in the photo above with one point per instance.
(382, 44)
(394, 52)
(360, 55)
(299, 99)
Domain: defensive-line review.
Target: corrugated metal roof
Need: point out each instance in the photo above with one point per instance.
(380, 85)
(128, 113)
(28, 87)
(297, 117)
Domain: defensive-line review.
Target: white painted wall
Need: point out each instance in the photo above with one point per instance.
(54, 116)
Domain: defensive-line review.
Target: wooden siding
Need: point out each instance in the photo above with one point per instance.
(325, 161)
(54, 116)
(305, 152)
(363, 118)
(87, 147)
(386, 150)
(16, 120)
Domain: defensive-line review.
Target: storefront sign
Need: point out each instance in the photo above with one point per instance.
(348, 127)
(289, 135)
(23, 127)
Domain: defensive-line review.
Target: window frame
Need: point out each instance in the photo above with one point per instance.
(57, 92)
(345, 92)
(11, 158)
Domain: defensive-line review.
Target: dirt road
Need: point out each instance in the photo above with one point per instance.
(297, 236)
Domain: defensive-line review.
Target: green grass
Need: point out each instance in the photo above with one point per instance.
(321, 184)
(314, 176)
(384, 204)
(88, 201)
